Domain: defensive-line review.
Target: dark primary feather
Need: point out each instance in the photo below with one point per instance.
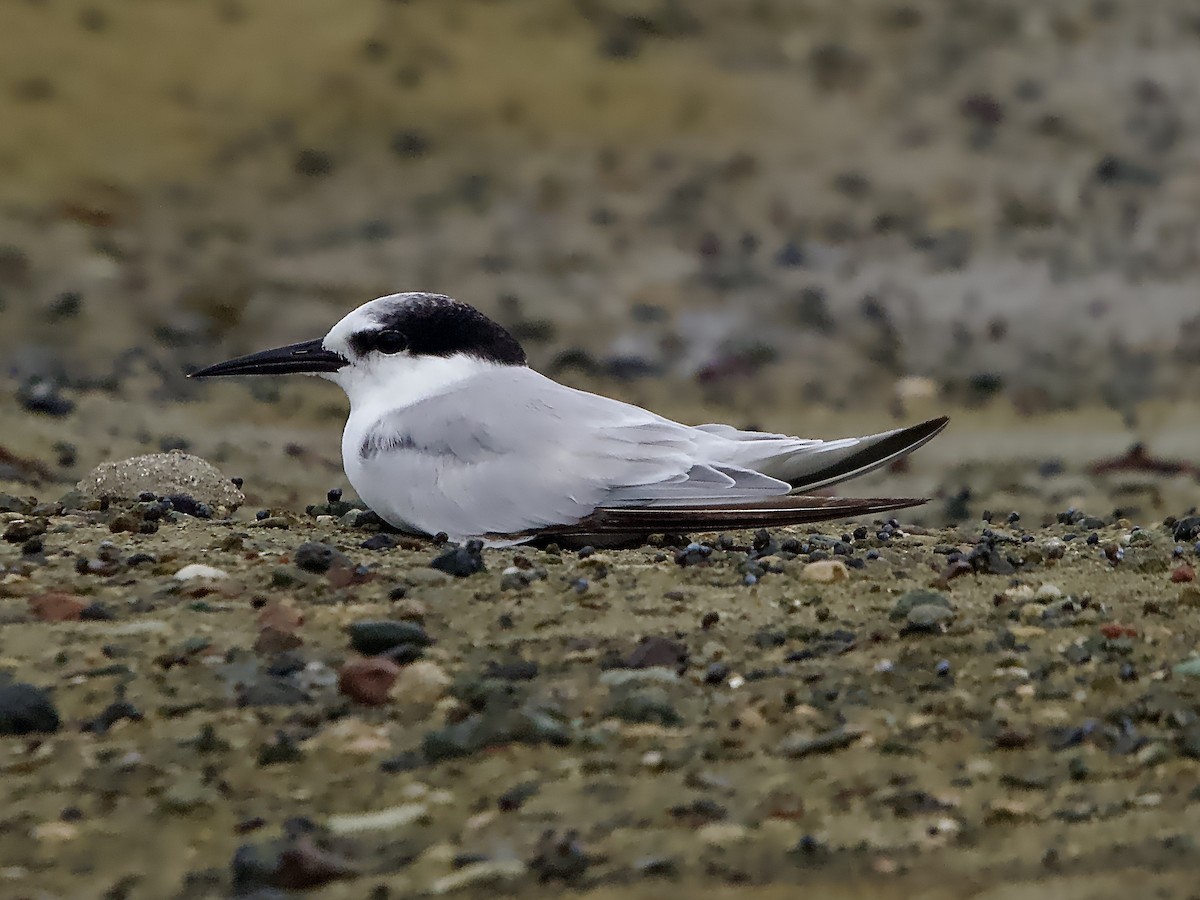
(792, 509)
(873, 454)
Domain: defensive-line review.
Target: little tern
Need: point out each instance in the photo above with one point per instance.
(451, 432)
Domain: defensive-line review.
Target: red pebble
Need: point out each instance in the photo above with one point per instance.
(280, 616)
(55, 606)
(1115, 630)
(1184, 574)
(367, 680)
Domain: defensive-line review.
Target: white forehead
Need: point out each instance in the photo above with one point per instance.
(366, 317)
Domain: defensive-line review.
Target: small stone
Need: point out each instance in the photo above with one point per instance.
(22, 530)
(645, 706)
(656, 651)
(421, 685)
(368, 681)
(315, 557)
(1189, 668)
(826, 571)
(1049, 591)
(196, 571)
(54, 606)
(928, 618)
(1032, 613)
(374, 637)
(491, 874)
(919, 597)
(281, 616)
(800, 744)
(187, 794)
(26, 709)
(723, 834)
(461, 561)
(1183, 574)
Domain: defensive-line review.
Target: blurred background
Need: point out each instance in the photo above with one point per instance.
(818, 216)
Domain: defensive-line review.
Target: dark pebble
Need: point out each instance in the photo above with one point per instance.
(26, 709)
(559, 858)
(37, 395)
(461, 561)
(657, 651)
(514, 798)
(111, 714)
(374, 637)
(515, 670)
(380, 541)
(313, 163)
(315, 557)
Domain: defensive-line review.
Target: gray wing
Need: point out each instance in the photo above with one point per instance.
(512, 450)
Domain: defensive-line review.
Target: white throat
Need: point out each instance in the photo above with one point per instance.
(395, 382)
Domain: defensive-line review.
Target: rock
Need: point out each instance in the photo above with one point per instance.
(650, 705)
(1183, 574)
(368, 681)
(378, 820)
(559, 857)
(1049, 591)
(23, 529)
(799, 744)
(373, 637)
(928, 618)
(1032, 613)
(421, 685)
(461, 561)
(54, 606)
(655, 652)
(200, 571)
(1189, 668)
(487, 873)
(12, 504)
(315, 557)
(26, 709)
(280, 616)
(294, 864)
(164, 475)
(826, 571)
(915, 598)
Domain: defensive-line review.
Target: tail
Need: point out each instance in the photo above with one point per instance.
(817, 464)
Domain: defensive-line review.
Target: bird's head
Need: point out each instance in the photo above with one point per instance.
(387, 341)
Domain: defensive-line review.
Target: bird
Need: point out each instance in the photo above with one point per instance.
(451, 433)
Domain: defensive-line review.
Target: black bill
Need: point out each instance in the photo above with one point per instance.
(307, 356)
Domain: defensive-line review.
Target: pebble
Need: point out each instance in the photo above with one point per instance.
(315, 557)
(163, 475)
(54, 606)
(461, 561)
(915, 598)
(928, 618)
(826, 571)
(368, 681)
(380, 820)
(196, 571)
(802, 743)
(26, 709)
(1183, 574)
(490, 873)
(421, 685)
(374, 637)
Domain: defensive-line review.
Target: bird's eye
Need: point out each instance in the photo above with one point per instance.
(390, 341)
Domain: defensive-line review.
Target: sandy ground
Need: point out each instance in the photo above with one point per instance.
(822, 218)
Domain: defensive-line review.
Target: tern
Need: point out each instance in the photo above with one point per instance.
(450, 432)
